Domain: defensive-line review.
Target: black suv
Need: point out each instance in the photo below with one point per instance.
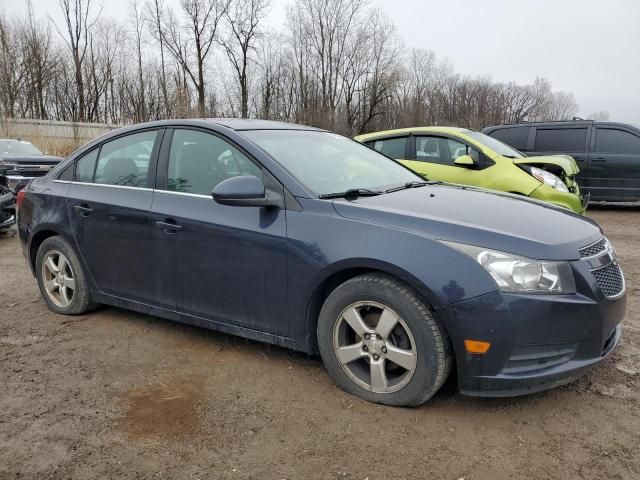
(607, 153)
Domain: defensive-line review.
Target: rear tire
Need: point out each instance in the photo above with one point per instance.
(61, 278)
(379, 341)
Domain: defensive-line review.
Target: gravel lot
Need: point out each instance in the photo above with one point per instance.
(116, 394)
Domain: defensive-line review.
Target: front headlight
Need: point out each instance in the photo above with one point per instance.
(518, 274)
(549, 178)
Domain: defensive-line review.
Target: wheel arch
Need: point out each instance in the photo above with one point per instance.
(343, 272)
(36, 240)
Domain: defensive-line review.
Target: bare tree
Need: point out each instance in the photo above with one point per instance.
(78, 22)
(154, 9)
(137, 23)
(601, 116)
(243, 18)
(12, 74)
(327, 24)
(337, 64)
(190, 41)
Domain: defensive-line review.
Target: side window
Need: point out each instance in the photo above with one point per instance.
(86, 165)
(442, 150)
(616, 141)
(517, 137)
(392, 147)
(430, 149)
(560, 140)
(125, 161)
(198, 161)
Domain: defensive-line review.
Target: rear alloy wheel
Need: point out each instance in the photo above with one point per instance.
(61, 279)
(378, 340)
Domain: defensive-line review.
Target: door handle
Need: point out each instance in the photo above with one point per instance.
(599, 159)
(169, 226)
(84, 209)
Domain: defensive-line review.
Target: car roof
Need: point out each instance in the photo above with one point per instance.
(240, 124)
(560, 123)
(406, 131)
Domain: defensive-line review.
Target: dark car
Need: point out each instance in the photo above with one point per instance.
(607, 153)
(20, 161)
(7, 209)
(306, 239)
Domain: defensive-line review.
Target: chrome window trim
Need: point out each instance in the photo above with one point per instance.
(146, 189)
(126, 187)
(186, 194)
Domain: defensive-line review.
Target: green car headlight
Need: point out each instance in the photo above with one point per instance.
(549, 178)
(518, 274)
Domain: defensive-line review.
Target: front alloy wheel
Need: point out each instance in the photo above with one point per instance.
(375, 347)
(379, 340)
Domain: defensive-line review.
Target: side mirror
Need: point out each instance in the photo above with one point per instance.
(465, 161)
(243, 191)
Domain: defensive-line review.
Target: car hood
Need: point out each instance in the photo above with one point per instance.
(567, 163)
(500, 221)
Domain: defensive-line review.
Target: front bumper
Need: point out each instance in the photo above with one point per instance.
(575, 202)
(7, 211)
(537, 341)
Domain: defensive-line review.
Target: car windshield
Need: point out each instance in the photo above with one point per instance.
(17, 147)
(329, 163)
(495, 145)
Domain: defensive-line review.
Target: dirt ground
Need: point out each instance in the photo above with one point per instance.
(115, 394)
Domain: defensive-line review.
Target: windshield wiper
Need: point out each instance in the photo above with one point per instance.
(412, 185)
(352, 193)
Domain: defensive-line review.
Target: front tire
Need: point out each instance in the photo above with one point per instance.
(379, 341)
(61, 278)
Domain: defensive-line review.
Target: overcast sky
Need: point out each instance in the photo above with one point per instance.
(588, 47)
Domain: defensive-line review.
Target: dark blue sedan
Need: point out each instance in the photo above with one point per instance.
(306, 239)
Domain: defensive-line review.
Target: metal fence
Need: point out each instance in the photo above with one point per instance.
(55, 137)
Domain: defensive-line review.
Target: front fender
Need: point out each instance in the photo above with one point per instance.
(567, 200)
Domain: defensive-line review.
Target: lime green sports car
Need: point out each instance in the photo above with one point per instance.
(459, 155)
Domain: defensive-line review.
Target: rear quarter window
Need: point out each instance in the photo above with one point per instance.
(516, 137)
(560, 140)
(86, 165)
(67, 173)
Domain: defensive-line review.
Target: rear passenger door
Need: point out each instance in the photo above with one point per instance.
(614, 164)
(565, 140)
(108, 205)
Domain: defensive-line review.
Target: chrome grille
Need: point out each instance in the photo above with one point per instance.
(594, 249)
(610, 279)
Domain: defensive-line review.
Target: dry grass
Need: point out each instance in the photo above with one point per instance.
(55, 146)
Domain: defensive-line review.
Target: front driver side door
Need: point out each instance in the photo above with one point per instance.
(226, 264)
(434, 158)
